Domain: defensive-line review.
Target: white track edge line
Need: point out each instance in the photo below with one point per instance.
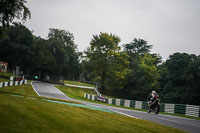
(124, 114)
(34, 88)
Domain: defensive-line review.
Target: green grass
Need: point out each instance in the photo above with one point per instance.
(25, 90)
(6, 74)
(78, 93)
(4, 80)
(25, 115)
(78, 83)
(29, 80)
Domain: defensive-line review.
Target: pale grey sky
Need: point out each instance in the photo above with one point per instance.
(169, 25)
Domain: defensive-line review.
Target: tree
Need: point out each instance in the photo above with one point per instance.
(11, 9)
(142, 79)
(62, 46)
(44, 62)
(117, 73)
(144, 76)
(106, 59)
(180, 79)
(192, 77)
(16, 47)
(137, 47)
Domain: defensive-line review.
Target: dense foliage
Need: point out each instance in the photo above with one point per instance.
(109, 64)
(180, 76)
(138, 71)
(11, 10)
(55, 57)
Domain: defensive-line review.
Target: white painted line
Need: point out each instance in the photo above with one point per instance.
(80, 86)
(124, 114)
(34, 88)
(167, 119)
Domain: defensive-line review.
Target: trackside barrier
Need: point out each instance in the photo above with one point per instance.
(169, 108)
(12, 83)
(192, 110)
(127, 103)
(189, 110)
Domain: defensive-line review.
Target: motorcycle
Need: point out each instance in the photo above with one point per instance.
(154, 106)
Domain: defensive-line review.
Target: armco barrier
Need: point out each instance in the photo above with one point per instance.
(169, 108)
(192, 110)
(127, 103)
(12, 83)
(189, 110)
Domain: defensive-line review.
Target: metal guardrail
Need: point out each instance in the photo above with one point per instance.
(189, 110)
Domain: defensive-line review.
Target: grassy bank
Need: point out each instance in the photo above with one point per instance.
(76, 93)
(25, 90)
(78, 83)
(26, 115)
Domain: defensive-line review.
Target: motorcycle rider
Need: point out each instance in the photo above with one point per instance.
(152, 98)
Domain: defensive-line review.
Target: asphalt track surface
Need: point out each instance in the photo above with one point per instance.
(189, 125)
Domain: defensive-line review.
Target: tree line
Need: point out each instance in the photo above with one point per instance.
(129, 71)
(132, 71)
(55, 57)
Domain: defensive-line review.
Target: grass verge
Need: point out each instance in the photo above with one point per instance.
(25, 90)
(76, 93)
(6, 74)
(25, 115)
(4, 80)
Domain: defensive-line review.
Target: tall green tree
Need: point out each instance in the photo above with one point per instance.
(144, 76)
(180, 79)
(137, 47)
(16, 47)
(62, 46)
(44, 63)
(107, 60)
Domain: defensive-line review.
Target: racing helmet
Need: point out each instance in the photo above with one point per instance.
(153, 92)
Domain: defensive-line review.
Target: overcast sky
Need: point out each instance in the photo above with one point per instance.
(169, 25)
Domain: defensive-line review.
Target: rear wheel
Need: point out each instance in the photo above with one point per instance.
(149, 111)
(158, 109)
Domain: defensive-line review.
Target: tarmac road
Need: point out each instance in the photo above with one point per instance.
(189, 125)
